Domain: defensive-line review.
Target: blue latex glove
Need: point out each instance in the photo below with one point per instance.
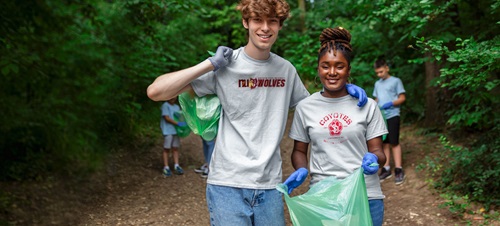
(370, 164)
(182, 124)
(296, 179)
(387, 105)
(221, 57)
(357, 92)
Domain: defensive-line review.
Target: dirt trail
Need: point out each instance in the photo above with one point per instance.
(132, 191)
(151, 199)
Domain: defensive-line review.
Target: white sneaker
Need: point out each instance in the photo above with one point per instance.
(205, 173)
(201, 169)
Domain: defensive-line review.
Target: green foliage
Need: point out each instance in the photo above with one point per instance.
(470, 72)
(457, 205)
(75, 74)
(470, 172)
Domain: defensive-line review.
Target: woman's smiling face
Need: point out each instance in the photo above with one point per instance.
(333, 71)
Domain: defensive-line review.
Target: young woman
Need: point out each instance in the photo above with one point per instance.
(343, 137)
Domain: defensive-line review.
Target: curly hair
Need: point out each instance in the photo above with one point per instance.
(335, 39)
(268, 8)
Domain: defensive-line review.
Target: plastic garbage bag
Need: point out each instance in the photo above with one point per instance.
(331, 202)
(202, 114)
(385, 120)
(181, 131)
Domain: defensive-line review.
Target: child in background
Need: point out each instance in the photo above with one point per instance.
(171, 140)
(389, 92)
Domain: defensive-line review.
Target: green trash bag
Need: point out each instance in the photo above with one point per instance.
(385, 120)
(202, 114)
(181, 131)
(331, 202)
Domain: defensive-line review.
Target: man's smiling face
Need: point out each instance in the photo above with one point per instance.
(262, 32)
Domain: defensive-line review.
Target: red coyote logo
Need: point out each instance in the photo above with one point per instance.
(335, 127)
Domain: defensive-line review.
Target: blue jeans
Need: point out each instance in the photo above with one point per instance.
(240, 206)
(377, 211)
(208, 149)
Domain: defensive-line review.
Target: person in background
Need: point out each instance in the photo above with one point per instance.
(256, 88)
(389, 92)
(171, 142)
(342, 136)
(208, 148)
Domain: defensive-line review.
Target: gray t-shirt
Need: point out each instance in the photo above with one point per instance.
(256, 96)
(337, 131)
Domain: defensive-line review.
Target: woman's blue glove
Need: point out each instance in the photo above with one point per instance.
(370, 164)
(387, 105)
(357, 92)
(296, 179)
(181, 124)
(221, 57)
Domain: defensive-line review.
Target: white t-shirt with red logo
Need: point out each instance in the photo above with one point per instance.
(337, 131)
(256, 96)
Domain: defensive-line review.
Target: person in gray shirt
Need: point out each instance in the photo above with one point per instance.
(256, 89)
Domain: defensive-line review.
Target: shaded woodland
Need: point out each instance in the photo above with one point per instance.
(74, 77)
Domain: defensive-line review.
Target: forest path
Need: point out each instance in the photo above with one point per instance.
(132, 191)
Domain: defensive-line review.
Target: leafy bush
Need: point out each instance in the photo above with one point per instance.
(470, 72)
(472, 172)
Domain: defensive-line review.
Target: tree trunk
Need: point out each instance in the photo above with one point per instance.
(434, 96)
(302, 16)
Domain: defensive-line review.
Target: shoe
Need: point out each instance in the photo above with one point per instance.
(400, 176)
(179, 170)
(167, 172)
(201, 169)
(204, 174)
(384, 174)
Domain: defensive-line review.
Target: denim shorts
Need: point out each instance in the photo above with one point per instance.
(242, 207)
(377, 211)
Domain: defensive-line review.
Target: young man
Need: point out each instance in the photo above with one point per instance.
(390, 95)
(256, 89)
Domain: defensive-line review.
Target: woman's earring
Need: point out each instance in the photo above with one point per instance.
(316, 83)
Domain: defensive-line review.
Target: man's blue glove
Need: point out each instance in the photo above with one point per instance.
(370, 164)
(221, 57)
(182, 124)
(357, 92)
(387, 105)
(296, 179)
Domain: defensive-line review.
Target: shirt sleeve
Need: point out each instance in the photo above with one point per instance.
(205, 84)
(164, 109)
(399, 87)
(299, 91)
(298, 130)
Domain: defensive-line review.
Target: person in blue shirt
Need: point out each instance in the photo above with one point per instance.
(171, 141)
(389, 93)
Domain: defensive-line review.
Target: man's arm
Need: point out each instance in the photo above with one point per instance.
(172, 84)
